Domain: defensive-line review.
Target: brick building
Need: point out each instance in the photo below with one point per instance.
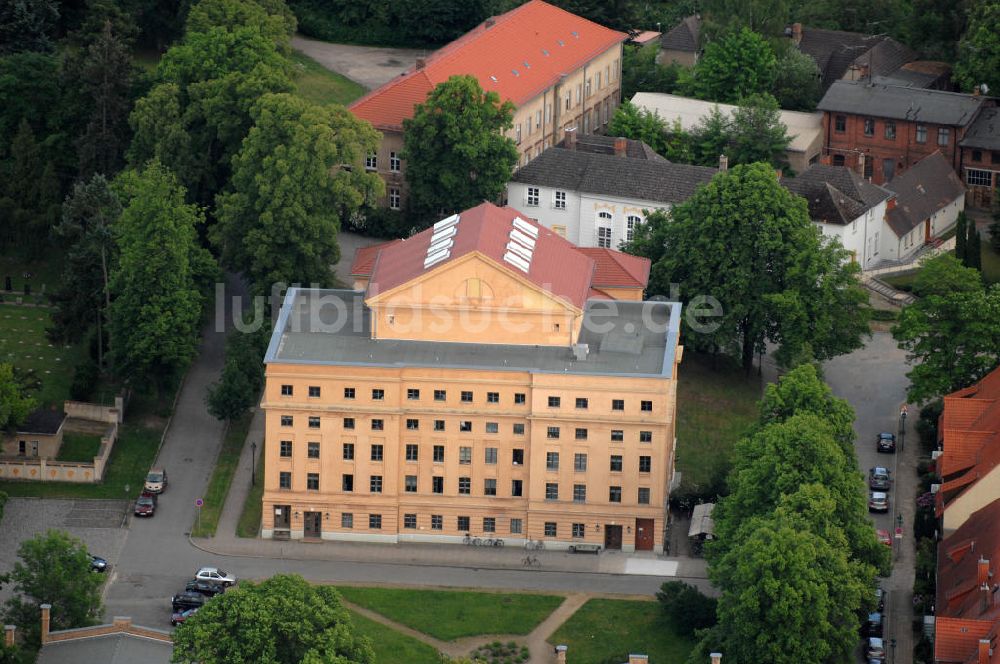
(478, 383)
(561, 71)
(882, 130)
(981, 157)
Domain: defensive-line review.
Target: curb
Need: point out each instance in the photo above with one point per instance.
(465, 566)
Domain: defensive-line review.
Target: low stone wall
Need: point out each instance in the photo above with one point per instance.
(49, 470)
(94, 412)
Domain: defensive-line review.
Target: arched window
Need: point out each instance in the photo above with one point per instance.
(604, 229)
(631, 222)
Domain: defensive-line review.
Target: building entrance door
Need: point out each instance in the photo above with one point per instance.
(643, 534)
(313, 524)
(613, 538)
(282, 517)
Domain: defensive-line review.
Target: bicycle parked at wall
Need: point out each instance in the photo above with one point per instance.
(469, 540)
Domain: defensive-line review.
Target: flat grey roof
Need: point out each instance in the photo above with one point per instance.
(893, 101)
(318, 326)
(117, 648)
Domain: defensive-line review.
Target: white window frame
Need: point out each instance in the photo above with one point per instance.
(944, 132)
(532, 196)
(371, 162)
(394, 162)
(631, 221)
(974, 177)
(394, 198)
(559, 200)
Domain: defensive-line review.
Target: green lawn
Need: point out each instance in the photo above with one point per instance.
(249, 523)
(318, 84)
(715, 406)
(453, 614)
(23, 344)
(391, 647)
(130, 461)
(222, 477)
(79, 446)
(47, 273)
(607, 630)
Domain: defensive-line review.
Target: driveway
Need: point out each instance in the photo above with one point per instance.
(371, 66)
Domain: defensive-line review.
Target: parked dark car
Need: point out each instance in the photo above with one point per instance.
(873, 626)
(204, 587)
(187, 600)
(177, 617)
(98, 564)
(886, 442)
(880, 599)
(145, 505)
(878, 501)
(878, 479)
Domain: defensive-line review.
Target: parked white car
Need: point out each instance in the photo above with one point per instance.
(216, 575)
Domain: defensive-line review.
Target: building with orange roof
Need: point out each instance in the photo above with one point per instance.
(967, 607)
(969, 460)
(485, 377)
(560, 71)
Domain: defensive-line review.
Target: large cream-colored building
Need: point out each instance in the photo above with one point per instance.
(560, 71)
(482, 378)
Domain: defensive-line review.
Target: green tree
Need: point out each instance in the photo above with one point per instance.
(979, 50)
(802, 390)
(641, 72)
(279, 222)
(746, 241)
(757, 132)
(29, 83)
(27, 25)
(710, 138)
(156, 303)
(456, 151)
(283, 620)
(686, 607)
(640, 124)
(853, 15)
(272, 17)
(788, 596)
(994, 228)
(961, 237)
(952, 332)
(797, 85)
(54, 568)
(90, 214)
(242, 374)
(973, 247)
(765, 17)
(15, 404)
(160, 131)
(106, 79)
(733, 67)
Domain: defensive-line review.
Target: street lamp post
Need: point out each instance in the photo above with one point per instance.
(253, 462)
(902, 427)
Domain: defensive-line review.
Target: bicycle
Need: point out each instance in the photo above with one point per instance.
(534, 545)
(530, 561)
(495, 542)
(469, 540)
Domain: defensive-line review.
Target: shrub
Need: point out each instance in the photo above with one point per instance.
(686, 607)
(85, 378)
(927, 425)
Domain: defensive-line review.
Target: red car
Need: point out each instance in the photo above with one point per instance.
(177, 617)
(884, 537)
(145, 505)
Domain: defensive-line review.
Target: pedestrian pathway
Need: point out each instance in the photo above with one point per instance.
(240, 486)
(536, 640)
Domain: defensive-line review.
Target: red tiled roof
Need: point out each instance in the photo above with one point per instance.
(955, 639)
(556, 265)
(966, 558)
(364, 258)
(970, 424)
(538, 41)
(615, 269)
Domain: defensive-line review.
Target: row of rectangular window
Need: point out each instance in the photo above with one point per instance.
(889, 130)
(371, 162)
(465, 426)
(464, 524)
(412, 452)
(413, 394)
(376, 483)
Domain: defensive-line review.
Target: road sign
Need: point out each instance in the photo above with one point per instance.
(899, 533)
(199, 502)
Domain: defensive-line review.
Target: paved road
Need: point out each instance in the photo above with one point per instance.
(371, 66)
(874, 381)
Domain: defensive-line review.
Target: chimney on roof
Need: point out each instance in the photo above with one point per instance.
(723, 162)
(490, 22)
(570, 141)
(983, 573)
(716, 657)
(621, 147)
(46, 610)
(421, 63)
(984, 652)
(8, 635)
(796, 33)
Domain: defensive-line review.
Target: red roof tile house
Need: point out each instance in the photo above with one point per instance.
(560, 71)
(968, 591)
(970, 439)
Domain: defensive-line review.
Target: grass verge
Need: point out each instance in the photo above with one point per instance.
(129, 463)
(453, 614)
(392, 646)
(249, 523)
(715, 407)
(79, 447)
(24, 345)
(222, 477)
(317, 84)
(607, 630)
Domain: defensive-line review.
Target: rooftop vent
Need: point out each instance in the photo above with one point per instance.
(575, 34)
(545, 52)
(526, 65)
(560, 42)
(514, 72)
(521, 247)
(493, 78)
(442, 239)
